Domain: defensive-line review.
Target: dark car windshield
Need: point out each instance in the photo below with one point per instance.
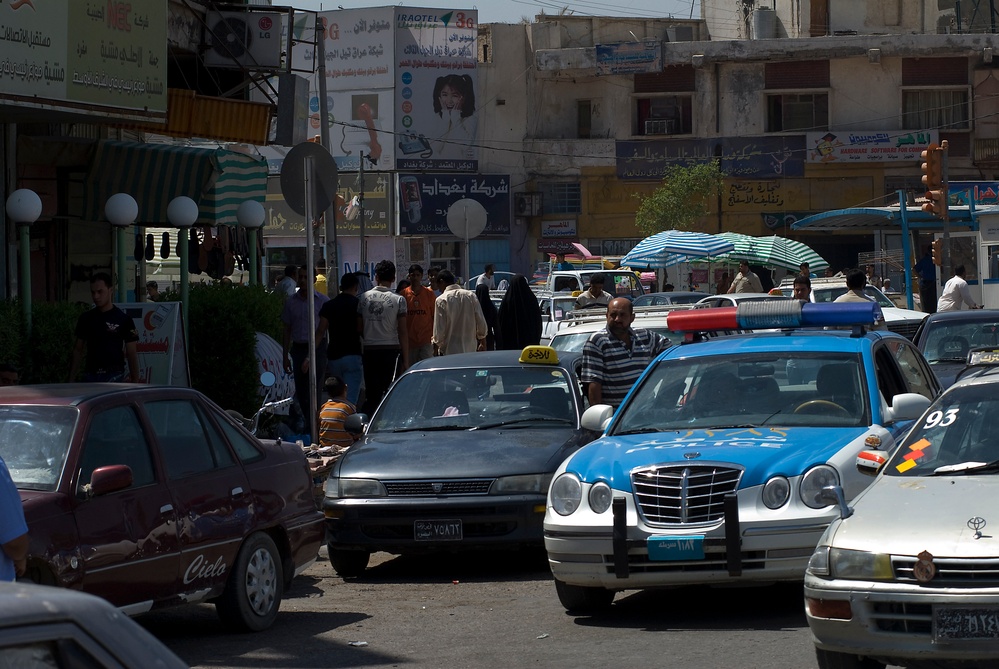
(34, 441)
(951, 341)
(823, 294)
(789, 388)
(477, 397)
(959, 435)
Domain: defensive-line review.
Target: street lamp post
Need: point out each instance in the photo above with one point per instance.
(182, 212)
(121, 210)
(24, 207)
(250, 215)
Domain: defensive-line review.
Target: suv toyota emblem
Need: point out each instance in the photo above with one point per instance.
(977, 523)
(691, 455)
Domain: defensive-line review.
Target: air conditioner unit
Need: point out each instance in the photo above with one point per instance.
(660, 126)
(527, 204)
(243, 40)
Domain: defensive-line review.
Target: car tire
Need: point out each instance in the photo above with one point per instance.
(253, 592)
(348, 564)
(832, 660)
(581, 600)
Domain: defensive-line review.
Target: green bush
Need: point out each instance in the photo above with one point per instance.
(46, 357)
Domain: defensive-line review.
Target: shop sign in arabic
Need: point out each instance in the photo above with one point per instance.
(745, 157)
(282, 221)
(560, 228)
(107, 53)
(867, 146)
(979, 192)
(630, 57)
(424, 199)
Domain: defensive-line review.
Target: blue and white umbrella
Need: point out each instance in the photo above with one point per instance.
(671, 247)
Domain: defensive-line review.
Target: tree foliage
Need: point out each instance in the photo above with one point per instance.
(683, 198)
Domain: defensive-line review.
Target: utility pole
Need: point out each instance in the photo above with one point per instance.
(329, 217)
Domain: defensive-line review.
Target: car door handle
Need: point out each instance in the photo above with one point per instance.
(237, 491)
(166, 508)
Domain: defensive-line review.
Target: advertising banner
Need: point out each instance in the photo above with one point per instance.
(282, 221)
(867, 146)
(979, 192)
(424, 200)
(77, 55)
(746, 157)
(436, 121)
(558, 228)
(630, 57)
(161, 349)
(359, 47)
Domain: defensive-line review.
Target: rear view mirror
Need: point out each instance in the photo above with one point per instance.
(267, 379)
(109, 479)
(355, 423)
(908, 406)
(597, 417)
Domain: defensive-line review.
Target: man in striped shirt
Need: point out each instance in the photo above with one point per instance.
(334, 413)
(614, 358)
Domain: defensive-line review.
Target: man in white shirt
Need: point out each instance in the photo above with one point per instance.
(956, 293)
(595, 296)
(486, 278)
(459, 325)
(385, 335)
(745, 281)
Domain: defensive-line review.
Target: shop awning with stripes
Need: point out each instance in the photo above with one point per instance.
(217, 179)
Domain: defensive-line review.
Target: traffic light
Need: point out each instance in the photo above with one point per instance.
(936, 249)
(933, 180)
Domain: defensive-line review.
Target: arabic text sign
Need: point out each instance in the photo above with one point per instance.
(281, 221)
(110, 53)
(424, 200)
(980, 192)
(867, 146)
(630, 57)
(746, 157)
(359, 49)
(561, 228)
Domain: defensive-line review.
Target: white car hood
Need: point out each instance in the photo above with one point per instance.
(907, 515)
(896, 314)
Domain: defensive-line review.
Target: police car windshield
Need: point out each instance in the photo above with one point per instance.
(958, 436)
(794, 388)
(471, 397)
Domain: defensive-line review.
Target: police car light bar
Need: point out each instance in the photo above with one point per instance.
(771, 314)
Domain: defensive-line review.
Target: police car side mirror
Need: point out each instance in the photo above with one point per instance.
(597, 417)
(907, 406)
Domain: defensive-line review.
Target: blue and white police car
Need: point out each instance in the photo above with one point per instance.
(712, 470)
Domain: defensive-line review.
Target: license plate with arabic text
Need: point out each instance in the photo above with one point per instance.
(437, 530)
(965, 623)
(676, 548)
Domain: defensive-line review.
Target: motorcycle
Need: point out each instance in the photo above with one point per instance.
(267, 380)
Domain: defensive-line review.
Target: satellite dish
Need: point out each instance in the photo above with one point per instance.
(322, 178)
(466, 219)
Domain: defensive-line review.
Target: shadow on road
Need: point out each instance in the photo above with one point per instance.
(774, 607)
(467, 566)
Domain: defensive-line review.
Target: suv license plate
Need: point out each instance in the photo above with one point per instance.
(437, 530)
(970, 623)
(676, 548)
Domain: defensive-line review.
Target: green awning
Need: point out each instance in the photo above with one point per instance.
(217, 179)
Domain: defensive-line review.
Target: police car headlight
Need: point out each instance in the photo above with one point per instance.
(600, 497)
(509, 485)
(776, 492)
(566, 494)
(361, 488)
(859, 565)
(812, 483)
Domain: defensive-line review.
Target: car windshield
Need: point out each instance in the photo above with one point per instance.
(479, 398)
(573, 341)
(951, 341)
(617, 283)
(830, 294)
(789, 388)
(959, 435)
(34, 441)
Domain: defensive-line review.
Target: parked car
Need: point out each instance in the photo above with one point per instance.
(617, 282)
(458, 456)
(668, 298)
(946, 339)
(827, 289)
(909, 573)
(734, 299)
(150, 496)
(557, 308)
(709, 471)
(574, 332)
(42, 627)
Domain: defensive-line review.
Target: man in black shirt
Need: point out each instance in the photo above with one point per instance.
(344, 352)
(107, 336)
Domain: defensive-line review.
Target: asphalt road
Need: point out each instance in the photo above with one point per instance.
(499, 610)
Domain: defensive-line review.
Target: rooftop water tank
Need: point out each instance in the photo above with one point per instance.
(764, 23)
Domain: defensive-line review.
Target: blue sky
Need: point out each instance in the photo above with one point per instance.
(511, 11)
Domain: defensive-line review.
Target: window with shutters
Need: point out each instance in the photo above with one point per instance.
(562, 197)
(788, 112)
(943, 109)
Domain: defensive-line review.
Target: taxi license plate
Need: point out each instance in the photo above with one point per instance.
(970, 623)
(437, 530)
(675, 548)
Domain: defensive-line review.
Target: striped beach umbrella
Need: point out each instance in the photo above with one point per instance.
(771, 252)
(671, 247)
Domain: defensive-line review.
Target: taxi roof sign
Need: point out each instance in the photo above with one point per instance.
(539, 355)
(984, 356)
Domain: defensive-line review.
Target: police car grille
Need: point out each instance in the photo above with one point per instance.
(683, 494)
(434, 488)
(952, 572)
